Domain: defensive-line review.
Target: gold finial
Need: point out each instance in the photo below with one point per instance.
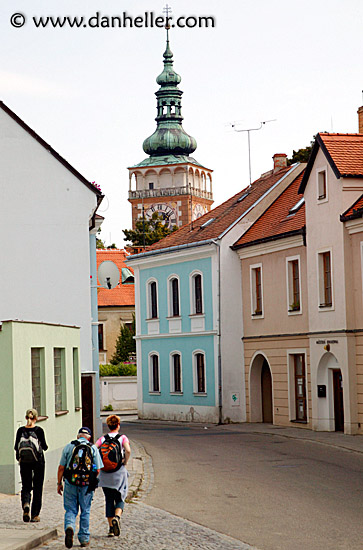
(167, 11)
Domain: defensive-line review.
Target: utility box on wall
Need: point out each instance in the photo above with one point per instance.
(321, 390)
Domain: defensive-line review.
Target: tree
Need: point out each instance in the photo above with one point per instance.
(125, 343)
(148, 231)
(99, 242)
(301, 155)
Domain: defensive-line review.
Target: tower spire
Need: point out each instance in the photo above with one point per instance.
(169, 137)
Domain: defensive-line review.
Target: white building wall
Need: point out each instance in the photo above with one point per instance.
(44, 211)
(234, 403)
(323, 236)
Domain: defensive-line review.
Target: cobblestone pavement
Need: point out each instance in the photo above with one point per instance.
(144, 527)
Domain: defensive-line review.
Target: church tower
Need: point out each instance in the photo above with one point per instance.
(169, 181)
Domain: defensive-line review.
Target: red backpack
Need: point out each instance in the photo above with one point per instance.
(112, 453)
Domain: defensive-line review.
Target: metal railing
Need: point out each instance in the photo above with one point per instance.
(170, 192)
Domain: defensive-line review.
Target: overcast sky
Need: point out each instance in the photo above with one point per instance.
(89, 92)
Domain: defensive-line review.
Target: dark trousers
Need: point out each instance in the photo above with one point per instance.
(113, 501)
(32, 479)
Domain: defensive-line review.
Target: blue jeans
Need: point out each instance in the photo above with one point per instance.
(75, 498)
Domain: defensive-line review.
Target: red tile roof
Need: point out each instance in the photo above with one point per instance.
(344, 153)
(122, 294)
(355, 211)
(277, 221)
(223, 216)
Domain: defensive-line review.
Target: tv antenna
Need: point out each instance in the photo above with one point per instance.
(248, 130)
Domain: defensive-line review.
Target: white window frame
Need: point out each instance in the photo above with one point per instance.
(320, 279)
(41, 408)
(195, 373)
(170, 297)
(151, 374)
(63, 380)
(289, 284)
(172, 378)
(322, 169)
(192, 292)
(253, 291)
(148, 300)
(291, 383)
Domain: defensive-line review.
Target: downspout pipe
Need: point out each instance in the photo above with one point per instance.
(220, 381)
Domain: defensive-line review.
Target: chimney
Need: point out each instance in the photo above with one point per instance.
(280, 159)
(360, 120)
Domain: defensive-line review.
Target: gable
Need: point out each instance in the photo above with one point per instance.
(46, 146)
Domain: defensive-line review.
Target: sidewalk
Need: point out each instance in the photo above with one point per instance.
(17, 535)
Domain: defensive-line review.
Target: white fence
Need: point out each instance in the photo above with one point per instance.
(118, 391)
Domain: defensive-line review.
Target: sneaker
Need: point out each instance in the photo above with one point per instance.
(35, 519)
(26, 510)
(84, 543)
(116, 526)
(110, 532)
(68, 541)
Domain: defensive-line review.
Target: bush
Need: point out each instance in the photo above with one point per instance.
(108, 408)
(123, 369)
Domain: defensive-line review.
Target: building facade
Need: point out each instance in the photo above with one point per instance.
(302, 294)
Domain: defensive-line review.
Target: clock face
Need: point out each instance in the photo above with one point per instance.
(167, 212)
(198, 211)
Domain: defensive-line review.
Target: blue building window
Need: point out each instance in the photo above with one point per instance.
(176, 374)
(197, 294)
(199, 373)
(153, 300)
(154, 374)
(175, 298)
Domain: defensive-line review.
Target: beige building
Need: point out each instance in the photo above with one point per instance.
(302, 290)
(116, 306)
(275, 313)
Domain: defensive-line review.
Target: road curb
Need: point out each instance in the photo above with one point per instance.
(36, 540)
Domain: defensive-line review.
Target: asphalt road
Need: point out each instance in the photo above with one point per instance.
(268, 491)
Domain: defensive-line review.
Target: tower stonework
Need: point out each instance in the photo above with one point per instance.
(169, 181)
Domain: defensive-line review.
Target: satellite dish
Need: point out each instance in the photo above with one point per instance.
(108, 275)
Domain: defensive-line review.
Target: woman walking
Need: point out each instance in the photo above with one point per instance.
(115, 451)
(29, 446)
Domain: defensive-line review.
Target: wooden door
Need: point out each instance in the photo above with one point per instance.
(266, 392)
(338, 400)
(87, 401)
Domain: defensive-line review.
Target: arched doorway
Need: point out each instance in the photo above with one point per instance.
(338, 400)
(266, 391)
(261, 400)
(331, 407)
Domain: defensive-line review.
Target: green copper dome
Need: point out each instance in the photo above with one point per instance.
(169, 137)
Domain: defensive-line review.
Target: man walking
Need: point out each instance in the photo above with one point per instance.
(79, 465)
